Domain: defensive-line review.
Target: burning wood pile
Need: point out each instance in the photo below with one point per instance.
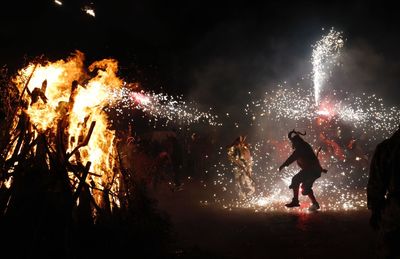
(59, 136)
(59, 160)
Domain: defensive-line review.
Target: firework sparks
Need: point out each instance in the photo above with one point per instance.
(364, 120)
(162, 107)
(367, 112)
(324, 57)
(347, 128)
(66, 103)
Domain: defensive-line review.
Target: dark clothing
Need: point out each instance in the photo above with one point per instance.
(383, 195)
(306, 158)
(310, 170)
(309, 163)
(384, 175)
(306, 179)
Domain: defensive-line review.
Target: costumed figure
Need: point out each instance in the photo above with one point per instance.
(240, 156)
(310, 171)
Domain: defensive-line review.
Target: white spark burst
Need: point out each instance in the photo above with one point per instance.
(324, 57)
(346, 126)
(162, 108)
(343, 121)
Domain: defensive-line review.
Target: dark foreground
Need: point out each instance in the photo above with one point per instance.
(210, 232)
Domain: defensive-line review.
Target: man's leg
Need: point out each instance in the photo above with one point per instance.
(250, 188)
(312, 197)
(307, 190)
(296, 180)
(238, 183)
(296, 193)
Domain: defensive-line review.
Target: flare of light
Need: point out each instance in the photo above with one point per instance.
(324, 57)
(89, 10)
(161, 108)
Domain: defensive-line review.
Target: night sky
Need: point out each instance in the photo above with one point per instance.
(210, 51)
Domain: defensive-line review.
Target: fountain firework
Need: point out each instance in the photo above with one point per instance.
(324, 57)
(347, 127)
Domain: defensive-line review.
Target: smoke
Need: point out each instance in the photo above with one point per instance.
(233, 65)
(256, 87)
(364, 69)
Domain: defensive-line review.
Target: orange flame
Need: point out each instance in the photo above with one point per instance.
(88, 101)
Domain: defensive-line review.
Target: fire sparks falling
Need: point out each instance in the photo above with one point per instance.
(324, 57)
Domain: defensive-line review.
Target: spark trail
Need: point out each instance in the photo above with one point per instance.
(324, 57)
(161, 107)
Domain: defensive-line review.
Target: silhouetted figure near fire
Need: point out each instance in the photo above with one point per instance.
(239, 154)
(38, 93)
(310, 171)
(74, 92)
(383, 195)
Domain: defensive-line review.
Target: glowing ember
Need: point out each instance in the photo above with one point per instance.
(58, 2)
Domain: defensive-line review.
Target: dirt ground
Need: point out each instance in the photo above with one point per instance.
(213, 232)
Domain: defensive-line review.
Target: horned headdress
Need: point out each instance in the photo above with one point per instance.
(296, 133)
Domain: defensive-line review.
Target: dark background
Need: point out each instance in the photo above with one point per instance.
(211, 51)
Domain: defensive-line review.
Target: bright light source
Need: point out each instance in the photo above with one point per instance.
(89, 10)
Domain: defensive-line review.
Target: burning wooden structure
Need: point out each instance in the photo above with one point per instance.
(59, 158)
(59, 133)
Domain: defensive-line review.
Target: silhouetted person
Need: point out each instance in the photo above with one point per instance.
(310, 170)
(239, 154)
(38, 93)
(383, 195)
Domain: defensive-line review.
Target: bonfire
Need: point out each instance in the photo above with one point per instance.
(59, 136)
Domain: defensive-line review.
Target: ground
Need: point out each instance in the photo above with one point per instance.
(213, 232)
